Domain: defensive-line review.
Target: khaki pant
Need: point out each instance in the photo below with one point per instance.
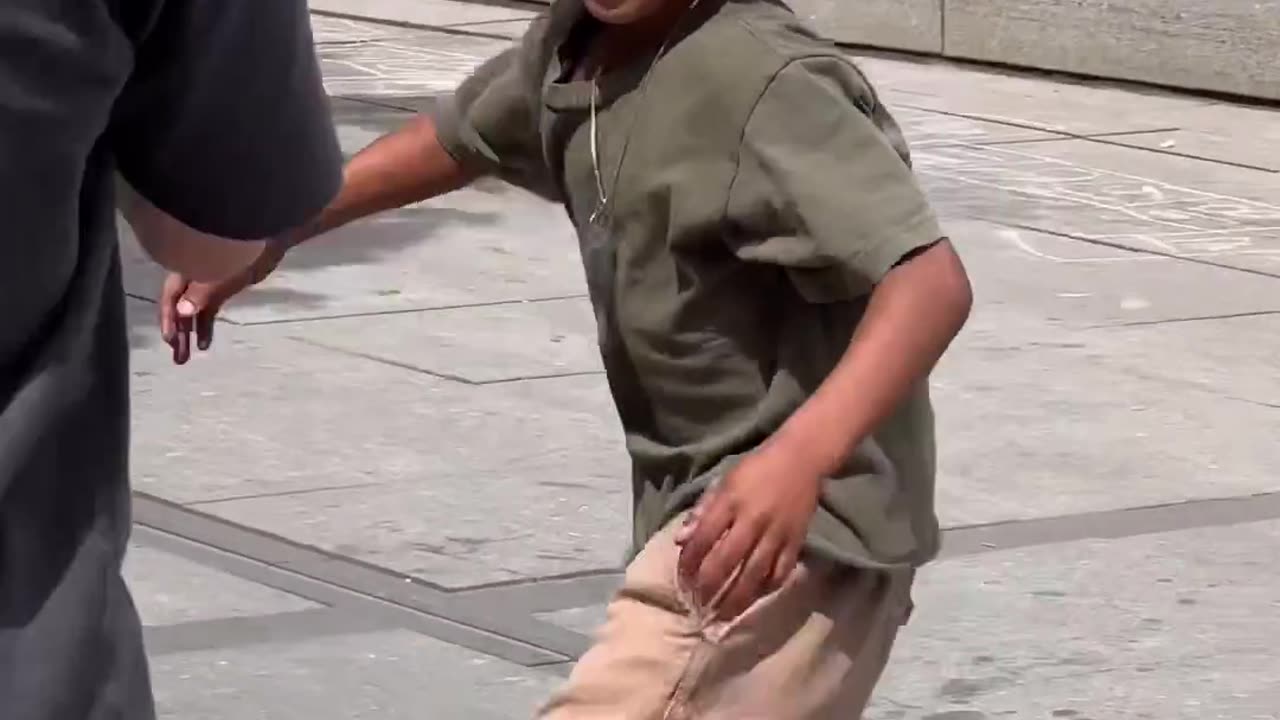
(811, 651)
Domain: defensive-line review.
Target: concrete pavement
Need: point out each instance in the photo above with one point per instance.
(396, 487)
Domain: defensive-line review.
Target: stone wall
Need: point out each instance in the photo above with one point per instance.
(1228, 46)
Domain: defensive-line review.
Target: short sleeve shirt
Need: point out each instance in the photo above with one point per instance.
(214, 111)
(749, 190)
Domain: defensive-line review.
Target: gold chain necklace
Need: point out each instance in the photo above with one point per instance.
(604, 196)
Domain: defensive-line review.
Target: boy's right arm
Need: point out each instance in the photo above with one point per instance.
(490, 126)
(404, 167)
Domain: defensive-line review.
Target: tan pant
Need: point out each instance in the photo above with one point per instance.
(811, 651)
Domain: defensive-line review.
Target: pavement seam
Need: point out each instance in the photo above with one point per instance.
(547, 595)
(244, 631)
(1111, 524)
(384, 361)
(959, 541)
(409, 25)
(1024, 125)
(414, 310)
(560, 669)
(942, 27)
(442, 375)
(482, 602)
(1090, 136)
(153, 301)
(1180, 320)
(1129, 248)
(380, 104)
(1102, 138)
(1185, 155)
(339, 598)
(363, 580)
(531, 378)
(1205, 388)
(280, 494)
(500, 21)
(165, 516)
(495, 619)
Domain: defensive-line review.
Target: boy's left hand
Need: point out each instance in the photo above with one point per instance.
(744, 539)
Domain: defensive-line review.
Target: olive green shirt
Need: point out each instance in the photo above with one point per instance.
(763, 192)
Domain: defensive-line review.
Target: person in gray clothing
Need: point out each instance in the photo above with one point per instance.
(211, 116)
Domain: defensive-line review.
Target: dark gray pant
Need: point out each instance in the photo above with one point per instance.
(70, 638)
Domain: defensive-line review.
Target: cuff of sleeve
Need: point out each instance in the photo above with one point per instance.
(460, 140)
(876, 261)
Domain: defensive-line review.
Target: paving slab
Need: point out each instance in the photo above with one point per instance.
(360, 121)
(394, 67)
(1113, 196)
(1173, 626)
(510, 28)
(1055, 282)
(546, 523)
(454, 483)
(435, 13)
(329, 31)
(487, 244)
(1036, 100)
(1234, 357)
(1217, 131)
(924, 128)
(584, 620)
(1168, 172)
(403, 63)
(482, 345)
(1146, 118)
(383, 676)
(1035, 420)
(170, 590)
(256, 392)
(540, 497)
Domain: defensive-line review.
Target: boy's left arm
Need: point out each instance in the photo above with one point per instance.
(846, 218)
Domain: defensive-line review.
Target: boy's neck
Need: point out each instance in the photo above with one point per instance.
(614, 46)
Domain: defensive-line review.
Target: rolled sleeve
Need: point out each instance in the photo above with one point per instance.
(491, 124)
(823, 186)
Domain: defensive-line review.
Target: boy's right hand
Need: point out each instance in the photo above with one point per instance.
(186, 306)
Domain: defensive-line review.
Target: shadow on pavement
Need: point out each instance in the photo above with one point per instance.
(368, 242)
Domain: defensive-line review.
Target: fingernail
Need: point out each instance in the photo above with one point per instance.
(186, 308)
(202, 344)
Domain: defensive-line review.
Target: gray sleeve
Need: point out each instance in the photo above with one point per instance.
(224, 123)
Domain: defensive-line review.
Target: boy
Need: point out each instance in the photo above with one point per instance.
(772, 291)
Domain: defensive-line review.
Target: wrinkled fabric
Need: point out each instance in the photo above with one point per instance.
(765, 191)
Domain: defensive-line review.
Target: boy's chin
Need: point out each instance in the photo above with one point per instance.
(622, 12)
